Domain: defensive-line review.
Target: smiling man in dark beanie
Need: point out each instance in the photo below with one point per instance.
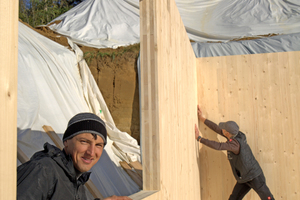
(55, 174)
(245, 167)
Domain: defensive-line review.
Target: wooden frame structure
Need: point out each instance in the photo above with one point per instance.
(258, 91)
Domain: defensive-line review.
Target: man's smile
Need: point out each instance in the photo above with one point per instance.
(87, 160)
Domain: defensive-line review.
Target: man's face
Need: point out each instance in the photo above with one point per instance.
(85, 150)
(226, 133)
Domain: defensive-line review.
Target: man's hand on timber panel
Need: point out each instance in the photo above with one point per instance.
(197, 133)
(200, 115)
(114, 197)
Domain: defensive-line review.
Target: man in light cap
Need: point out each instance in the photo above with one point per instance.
(245, 167)
(55, 174)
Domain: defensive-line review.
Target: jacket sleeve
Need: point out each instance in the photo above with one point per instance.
(231, 145)
(34, 181)
(213, 126)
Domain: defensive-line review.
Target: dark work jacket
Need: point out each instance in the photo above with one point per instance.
(50, 174)
(244, 165)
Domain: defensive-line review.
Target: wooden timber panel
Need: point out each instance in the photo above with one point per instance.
(168, 104)
(8, 98)
(261, 93)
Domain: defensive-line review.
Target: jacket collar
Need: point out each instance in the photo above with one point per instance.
(65, 162)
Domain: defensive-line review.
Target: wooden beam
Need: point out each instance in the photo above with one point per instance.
(22, 156)
(137, 166)
(135, 177)
(142, 194)
(93, 189)
(54, 137)
(8, 98)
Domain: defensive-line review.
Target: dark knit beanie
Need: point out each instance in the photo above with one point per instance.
(85, 123)
(230, 127)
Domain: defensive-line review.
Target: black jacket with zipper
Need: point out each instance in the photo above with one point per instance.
(50, 174)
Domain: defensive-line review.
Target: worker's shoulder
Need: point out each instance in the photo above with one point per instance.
(45, 160)
(233, 141)
(41, 162)
(45, 157)
(42, 165)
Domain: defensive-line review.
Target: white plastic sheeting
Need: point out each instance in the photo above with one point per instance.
(54, 84)
(113, 23)
(223, 20)
(280, 43)
(101, 24)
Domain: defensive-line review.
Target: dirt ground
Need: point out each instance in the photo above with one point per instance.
(115, 71)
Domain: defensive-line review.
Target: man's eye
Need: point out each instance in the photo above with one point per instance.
(83, 141)
(100, 145)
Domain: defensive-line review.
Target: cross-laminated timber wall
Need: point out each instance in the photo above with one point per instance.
(260, 92)
(168, 104)
(8, 98)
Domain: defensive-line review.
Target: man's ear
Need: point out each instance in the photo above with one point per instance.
(66, 143)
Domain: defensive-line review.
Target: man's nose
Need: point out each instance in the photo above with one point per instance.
(91, 150)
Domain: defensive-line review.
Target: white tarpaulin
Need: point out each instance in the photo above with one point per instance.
(223, 20)
(101, 24)
(113, 23)
(54, 84)
(280, 43)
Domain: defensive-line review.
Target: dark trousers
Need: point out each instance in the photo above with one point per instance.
(258, 184)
